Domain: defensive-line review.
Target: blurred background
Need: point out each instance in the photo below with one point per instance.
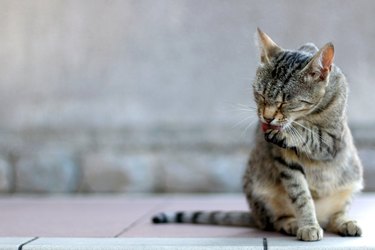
(149, 96)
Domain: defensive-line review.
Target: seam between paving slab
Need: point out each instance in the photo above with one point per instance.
(140, 218)
(265, 244)
(27, 242)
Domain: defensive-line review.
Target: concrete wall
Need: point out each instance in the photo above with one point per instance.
(136, 95)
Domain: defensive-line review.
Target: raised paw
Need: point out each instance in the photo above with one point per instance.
(310, 233)
(350, 228)
(275, 137)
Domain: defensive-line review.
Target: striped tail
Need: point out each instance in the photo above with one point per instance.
(225, 218)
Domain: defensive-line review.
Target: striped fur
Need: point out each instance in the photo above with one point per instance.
(304, 168)
(231, 218)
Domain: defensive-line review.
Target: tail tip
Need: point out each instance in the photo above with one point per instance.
(155, 220)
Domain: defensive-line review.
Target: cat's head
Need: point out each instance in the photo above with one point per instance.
(289, 84)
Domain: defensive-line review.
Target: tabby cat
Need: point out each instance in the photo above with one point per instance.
(304, 168)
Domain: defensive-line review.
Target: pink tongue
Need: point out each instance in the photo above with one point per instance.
(266, 127)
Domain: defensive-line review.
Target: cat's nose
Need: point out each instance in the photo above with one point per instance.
(268, 120)
(269, 113)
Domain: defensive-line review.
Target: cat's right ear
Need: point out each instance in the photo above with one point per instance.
(268, 48)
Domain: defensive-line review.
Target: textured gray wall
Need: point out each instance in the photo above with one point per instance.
(147, 88)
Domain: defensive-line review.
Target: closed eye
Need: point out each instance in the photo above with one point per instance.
(299, 109)
(260, 96)
(306, 102)
(280, 104)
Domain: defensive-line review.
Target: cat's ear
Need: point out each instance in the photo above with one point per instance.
(268, 48)
(321, 64)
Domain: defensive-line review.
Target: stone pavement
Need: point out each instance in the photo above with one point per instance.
(123, 222)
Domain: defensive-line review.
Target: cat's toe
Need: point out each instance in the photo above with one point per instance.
(310, 233)
(275, 137)
(290, 228)
(350, 228)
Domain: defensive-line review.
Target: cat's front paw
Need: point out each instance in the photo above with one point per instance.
(350, 228)
(276, 137)
(310, 233)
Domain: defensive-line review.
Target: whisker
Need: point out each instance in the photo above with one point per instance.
(294, 136)
(299, 135)
(248, 113)
(246, 106)
(233, 107)
(248, 126)
(242, 121)
(243, 109)
(312, 132)
(300, 138)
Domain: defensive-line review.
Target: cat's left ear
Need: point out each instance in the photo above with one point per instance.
(321, 64)
(268, 48)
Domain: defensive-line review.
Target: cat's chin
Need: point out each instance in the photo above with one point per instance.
(266, 126)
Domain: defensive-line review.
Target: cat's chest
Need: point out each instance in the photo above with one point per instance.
(321, 181)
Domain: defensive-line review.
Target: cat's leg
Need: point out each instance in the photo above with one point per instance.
(271, 207)
(293, 179)
(285, 220)
(331, 212)
(273, 211)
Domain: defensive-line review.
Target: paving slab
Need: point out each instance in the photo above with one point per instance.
(328, 243)
(87, 216)
(123, 222)
(144, 243)
(13, 243)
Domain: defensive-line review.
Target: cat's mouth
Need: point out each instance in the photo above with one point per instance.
(267, 126)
